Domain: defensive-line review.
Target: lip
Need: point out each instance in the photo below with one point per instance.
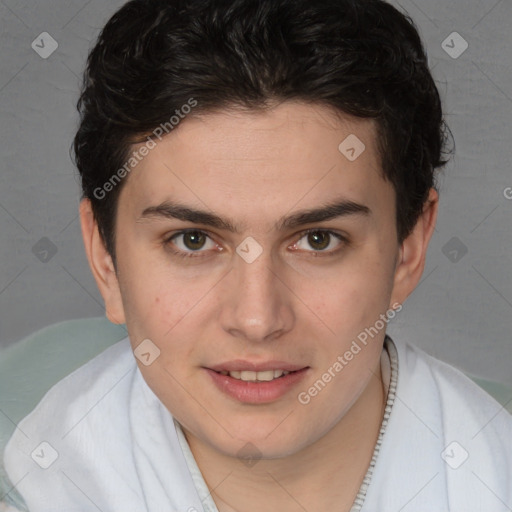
(257, 392)
(242, 365)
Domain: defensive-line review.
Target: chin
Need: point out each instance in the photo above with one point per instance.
(268, 440)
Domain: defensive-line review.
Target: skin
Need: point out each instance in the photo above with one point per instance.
(293, 303)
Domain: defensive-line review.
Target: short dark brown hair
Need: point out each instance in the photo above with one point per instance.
(361, 57)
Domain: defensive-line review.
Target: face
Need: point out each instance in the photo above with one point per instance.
(246, 242)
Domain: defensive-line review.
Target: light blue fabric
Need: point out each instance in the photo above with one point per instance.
(30, 367)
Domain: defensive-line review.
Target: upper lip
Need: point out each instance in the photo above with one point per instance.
(241, 365)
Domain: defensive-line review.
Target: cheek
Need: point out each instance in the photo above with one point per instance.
(357, 295)
(172, 313)
(151, 296)
(159, 313)
(156, 310)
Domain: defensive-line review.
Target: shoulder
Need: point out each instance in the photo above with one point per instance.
(93, 387)
(86, 385)
(470, 431)
(89, 382)
(455, 391)
(447, 442)
(67, 404)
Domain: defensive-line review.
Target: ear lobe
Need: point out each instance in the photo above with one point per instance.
(413, 251)
(101, 264)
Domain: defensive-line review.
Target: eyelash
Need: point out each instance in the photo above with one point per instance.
(197, 254)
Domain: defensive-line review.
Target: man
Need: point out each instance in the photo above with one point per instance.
(259, 195)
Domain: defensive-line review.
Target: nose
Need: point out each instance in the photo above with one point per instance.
(256, 305)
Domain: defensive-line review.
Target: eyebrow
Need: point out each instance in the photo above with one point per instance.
(333, 210)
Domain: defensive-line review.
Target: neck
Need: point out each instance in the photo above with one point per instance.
(324, 475)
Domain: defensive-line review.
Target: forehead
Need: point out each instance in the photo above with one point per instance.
(262, 163)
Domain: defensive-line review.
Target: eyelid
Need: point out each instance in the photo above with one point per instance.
(184, 231)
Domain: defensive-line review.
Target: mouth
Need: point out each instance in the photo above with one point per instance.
(257, 386)
(252, 376)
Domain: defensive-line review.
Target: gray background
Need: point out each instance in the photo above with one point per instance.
(462, 310)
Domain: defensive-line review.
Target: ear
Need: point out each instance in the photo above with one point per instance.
(101, 264)
(413, 251)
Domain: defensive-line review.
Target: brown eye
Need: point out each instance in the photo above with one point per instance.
(192, 241)
(319, 240)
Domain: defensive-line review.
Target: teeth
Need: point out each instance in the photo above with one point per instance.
(250, 376)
